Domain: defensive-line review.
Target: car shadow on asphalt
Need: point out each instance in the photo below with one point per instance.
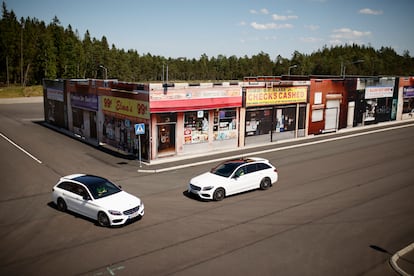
(199, 199)
(194, 197)
(52, 205)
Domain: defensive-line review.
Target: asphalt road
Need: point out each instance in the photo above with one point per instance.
(341, 207)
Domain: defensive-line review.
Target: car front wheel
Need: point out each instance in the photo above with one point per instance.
(265, 184)
(103, 219)
(219, 194)
(61, 205)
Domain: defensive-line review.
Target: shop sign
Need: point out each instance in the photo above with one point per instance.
(408, 92)
(374, 92)
(127, 107)
(276, 95)
(56, 95)
(84, 101)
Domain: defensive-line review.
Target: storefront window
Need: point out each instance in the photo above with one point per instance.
(196, 127)
(285, 118)
(77, 116)
(225, 124)
(119, 133)
(258, 121)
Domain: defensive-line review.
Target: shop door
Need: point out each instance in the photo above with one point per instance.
(92, 123)
(332, 115)
(166, 139)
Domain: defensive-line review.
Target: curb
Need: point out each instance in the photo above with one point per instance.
(394, 259)
(38, 99)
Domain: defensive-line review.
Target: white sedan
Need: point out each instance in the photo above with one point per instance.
(234, 176)
(97, 198)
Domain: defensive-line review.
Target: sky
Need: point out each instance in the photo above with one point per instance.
(192, 28)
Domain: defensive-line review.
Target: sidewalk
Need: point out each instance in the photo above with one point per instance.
(21, 100)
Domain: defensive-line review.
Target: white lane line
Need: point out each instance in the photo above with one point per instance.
(20, 148)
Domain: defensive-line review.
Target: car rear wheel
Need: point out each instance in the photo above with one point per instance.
(61, 205)
(219, 194)
(265, 183)
(103, 219)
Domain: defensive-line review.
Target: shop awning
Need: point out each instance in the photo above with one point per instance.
(194, 104)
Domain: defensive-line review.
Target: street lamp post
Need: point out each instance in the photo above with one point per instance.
(343, 66)
(21, 56)
(290, 67)
(105, 71)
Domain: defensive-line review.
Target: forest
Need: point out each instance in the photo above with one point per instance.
(31, 50)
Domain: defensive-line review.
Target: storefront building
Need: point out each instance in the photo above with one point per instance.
(329, 108)
(82, 109)
(274, 111)
(54, 101)
(376, 100)
(405, 98)
(122, 106)
(194, 118)
(185, 118)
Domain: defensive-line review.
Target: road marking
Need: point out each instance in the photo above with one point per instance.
(110, 270)
(20, 148)
(274, 149)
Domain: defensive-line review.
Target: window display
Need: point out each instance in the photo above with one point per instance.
(225, 125)
(258, 121)
(196, 126)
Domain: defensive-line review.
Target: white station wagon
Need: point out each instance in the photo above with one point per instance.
(96, 198)
(234, 176)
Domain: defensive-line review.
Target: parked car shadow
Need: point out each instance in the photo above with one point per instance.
(52, 205)
(194, 197)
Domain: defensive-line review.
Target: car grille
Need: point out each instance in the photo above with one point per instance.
(131, 211)
(195, 188)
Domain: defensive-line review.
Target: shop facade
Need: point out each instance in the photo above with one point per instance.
(329, 108)
(274, 111)
(55, 103)
(405, 98)
(122, 106)
(376, 100)
(82, 109)
(188, 118)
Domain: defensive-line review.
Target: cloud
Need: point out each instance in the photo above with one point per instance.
(261, 11)
(346, 33)
(278, 17)
(312, 27)
(264, 11)
(311, 39)
(270, 26)
(370, 11)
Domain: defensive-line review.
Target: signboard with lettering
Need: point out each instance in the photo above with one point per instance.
(374, 92)
(276, 95)
(127, 107)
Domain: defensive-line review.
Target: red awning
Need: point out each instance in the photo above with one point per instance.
(194, 104)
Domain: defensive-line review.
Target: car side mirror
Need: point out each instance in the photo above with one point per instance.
(85, 197)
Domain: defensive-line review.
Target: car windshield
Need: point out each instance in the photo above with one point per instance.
(225, 169)
(99, 187)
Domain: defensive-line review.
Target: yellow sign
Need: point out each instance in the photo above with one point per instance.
(127, 107)
(276, 95)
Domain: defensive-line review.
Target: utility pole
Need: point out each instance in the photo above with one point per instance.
(21, 55)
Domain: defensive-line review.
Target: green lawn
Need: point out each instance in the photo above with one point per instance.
(14, 91)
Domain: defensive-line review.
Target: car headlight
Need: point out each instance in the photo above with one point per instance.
(114, 213)
(208, 188)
